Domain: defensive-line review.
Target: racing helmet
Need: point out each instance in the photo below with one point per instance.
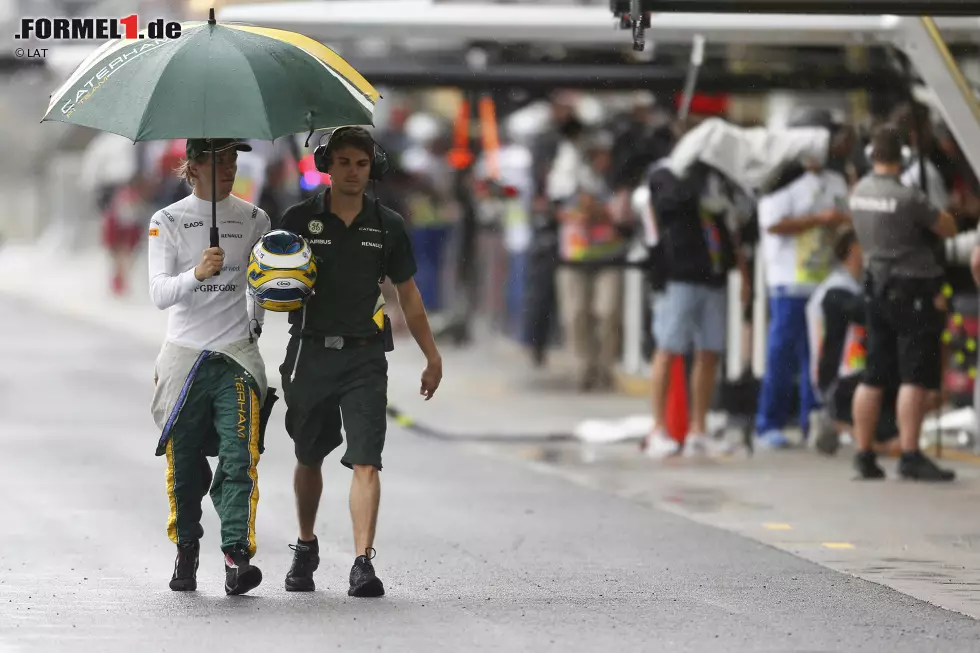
(281, 271)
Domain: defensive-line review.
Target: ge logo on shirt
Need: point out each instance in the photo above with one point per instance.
(315, 227)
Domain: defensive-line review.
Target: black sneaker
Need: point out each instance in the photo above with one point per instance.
(363, 581)
(866, 464)
(916, 466)
(306, 559)
(240, 574)
(185, 567)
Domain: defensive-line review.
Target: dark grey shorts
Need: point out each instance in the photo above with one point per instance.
(334, 388)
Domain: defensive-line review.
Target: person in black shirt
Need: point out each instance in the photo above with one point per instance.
(835, 320)
(695, 251)
(335, 365)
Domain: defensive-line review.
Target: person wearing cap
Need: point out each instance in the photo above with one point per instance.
(211, 396)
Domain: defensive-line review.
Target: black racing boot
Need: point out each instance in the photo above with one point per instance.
(185, 567)
(306, 559)
(363, 581)
(240, 574)
(915, 466)
(866, 464)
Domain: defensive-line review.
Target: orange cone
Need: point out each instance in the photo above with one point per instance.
(677, 418)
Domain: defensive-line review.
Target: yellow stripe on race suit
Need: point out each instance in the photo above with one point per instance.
(325, 55)
(171, 494)
(253, 471)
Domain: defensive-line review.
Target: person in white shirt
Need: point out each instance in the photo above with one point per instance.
(797, 236)
(211, 395)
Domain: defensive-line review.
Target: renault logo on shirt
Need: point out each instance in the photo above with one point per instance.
(368, 243)
(232, 236)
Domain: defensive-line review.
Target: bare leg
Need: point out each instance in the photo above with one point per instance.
(890, 448)
(660, 370)
(702, 389)
(365, 497)
(911, 410)
(308, 486)
(866, 408)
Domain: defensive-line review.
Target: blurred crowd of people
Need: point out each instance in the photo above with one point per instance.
(564, 194)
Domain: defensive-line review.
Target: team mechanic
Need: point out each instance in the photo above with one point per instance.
(898, 229)
(211, 396)
(335, 362)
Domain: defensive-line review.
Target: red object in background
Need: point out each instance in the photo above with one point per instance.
(677, 418)
(172, 156)
(706, 105)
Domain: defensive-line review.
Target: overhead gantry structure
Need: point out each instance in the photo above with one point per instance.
(909, 25)
(919, 28)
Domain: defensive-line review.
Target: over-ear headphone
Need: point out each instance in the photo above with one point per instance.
(379, 159)
(906, 155)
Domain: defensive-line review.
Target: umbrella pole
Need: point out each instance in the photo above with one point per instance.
(214, 200)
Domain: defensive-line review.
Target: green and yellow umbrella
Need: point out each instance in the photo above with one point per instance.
(214, 81)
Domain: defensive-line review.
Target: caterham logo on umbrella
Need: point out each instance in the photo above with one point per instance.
(95, 29)
(86, 87)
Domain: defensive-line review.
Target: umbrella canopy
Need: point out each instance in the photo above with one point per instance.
(214, 81)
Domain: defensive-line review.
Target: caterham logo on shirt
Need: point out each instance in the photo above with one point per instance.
(315, 227)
